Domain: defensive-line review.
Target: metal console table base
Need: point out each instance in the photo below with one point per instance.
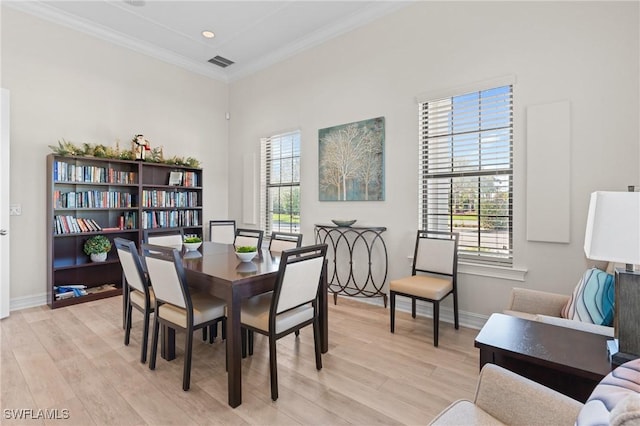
(344, 275)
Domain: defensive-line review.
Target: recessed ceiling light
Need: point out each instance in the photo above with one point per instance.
(208, 34)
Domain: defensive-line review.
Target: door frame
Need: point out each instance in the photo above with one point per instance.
(5, 285)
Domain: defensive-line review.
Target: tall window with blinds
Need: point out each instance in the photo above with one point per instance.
(280, 183)
(466, 171)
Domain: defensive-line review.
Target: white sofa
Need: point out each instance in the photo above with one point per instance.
(547, 307)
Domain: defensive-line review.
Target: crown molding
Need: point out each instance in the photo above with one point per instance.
(378, 10)
(41, 10)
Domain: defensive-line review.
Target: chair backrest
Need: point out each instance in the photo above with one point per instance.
(222, 231)
(167, 275)
(436, 252)
(281, 241)
(248, 237)
(132, 266)
(298, 277)
(173, 238)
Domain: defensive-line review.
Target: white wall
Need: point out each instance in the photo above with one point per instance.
(65, 84)
(586, 53)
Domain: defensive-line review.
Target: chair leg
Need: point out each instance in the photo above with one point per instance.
(455, 310)
(188, 346)
(436, 322)
(204, 334)
(250, 334)
(392, 310)
(154, 343)
(273, 368)
(224, 329)
(316, 343)
(243, 338)
(145, 337)
(127, 324)
(413, 307)
(213, 332)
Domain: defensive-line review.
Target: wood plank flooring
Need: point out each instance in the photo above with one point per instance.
(74, 359)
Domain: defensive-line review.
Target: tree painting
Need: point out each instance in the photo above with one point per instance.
(351, 161)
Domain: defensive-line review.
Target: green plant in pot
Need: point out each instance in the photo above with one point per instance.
(246, 253)
(192, 243)
(97, 247)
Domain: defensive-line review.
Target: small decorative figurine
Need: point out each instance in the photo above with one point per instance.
(140, 146)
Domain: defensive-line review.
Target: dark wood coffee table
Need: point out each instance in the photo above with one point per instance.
(570, 361)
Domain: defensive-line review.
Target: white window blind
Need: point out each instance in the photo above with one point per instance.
(466, 171)
(280, 183)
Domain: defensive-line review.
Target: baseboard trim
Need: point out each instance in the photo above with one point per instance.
(466, 319)
(25, 302)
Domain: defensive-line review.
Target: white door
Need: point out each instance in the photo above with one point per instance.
(4, 203)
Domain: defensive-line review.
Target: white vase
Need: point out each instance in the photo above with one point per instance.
(98, 257)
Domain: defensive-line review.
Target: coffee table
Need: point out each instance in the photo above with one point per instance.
(570, 361)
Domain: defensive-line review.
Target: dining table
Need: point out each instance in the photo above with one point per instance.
(215, 268)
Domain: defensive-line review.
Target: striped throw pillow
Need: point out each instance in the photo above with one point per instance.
(593, 299)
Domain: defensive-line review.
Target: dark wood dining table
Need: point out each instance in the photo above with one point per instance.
(216, 269)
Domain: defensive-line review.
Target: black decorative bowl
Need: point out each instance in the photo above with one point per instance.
(343, 223)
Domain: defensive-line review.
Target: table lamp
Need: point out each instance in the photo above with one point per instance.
(613, 235)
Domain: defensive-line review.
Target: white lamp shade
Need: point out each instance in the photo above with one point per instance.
(613, 227)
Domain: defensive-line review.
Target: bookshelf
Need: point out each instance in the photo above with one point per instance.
(117, 198)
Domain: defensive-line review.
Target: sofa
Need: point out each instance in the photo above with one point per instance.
(547, 307)
(506, 398)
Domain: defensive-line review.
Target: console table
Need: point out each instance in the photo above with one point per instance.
(569, 361)
(357, 260)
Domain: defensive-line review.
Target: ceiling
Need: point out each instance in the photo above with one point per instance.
(252, 34)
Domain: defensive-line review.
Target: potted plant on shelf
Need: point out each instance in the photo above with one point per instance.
(97, 247)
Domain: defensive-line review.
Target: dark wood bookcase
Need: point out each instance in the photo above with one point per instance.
(123, 198)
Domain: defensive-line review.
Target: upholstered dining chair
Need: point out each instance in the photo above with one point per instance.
(281, 241)
(292, 305)
(433, 276)
(174, 239)
(139, 293)
(175, 306)
(168, 238)
(248, 237)
(222, 231)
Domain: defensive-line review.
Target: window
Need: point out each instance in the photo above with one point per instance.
(466, 171)
(280, 183)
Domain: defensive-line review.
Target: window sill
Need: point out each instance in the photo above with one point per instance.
(505, 273)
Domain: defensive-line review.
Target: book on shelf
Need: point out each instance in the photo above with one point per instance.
(70, 290)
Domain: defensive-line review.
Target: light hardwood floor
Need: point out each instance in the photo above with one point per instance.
(74, 359)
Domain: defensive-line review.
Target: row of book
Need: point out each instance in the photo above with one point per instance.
(170, 219)
(93, 199)
(66, 172)
(73, 225)
(67, 291)
(190, 179)
(159, 198)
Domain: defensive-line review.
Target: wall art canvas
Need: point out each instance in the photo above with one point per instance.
(351, 161)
